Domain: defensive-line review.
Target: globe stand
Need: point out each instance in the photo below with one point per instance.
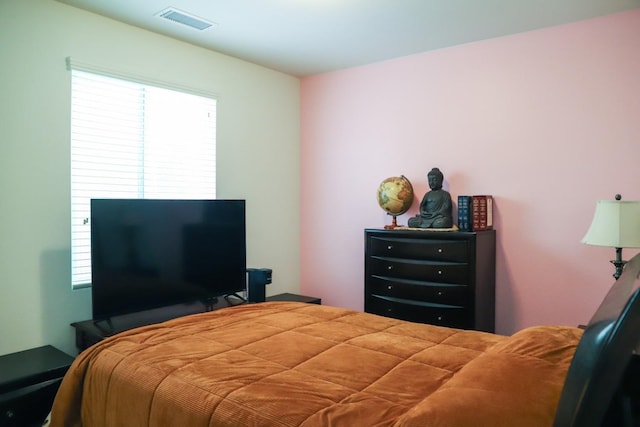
(394, 224)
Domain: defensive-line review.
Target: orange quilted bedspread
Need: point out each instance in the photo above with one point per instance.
(294, 364)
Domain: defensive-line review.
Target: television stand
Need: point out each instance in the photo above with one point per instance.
(210, 303)
(106, 332)
(89, 332)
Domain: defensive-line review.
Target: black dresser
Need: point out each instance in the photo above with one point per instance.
(438, 277)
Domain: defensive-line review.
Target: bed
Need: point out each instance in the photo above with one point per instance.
(296, 364)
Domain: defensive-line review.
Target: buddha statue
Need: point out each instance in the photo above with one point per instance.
(436, 205)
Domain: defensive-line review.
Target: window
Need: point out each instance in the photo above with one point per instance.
(133, 140)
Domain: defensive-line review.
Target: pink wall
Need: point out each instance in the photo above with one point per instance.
(547, 121)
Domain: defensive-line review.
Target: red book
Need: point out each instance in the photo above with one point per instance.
(482, 212)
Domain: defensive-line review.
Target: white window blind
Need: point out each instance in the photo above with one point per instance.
(132, 140)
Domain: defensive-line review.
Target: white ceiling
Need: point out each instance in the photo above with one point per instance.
(306, 37)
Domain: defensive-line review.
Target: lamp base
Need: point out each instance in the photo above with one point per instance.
(618, 263)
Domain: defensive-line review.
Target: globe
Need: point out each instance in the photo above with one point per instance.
(395, 196)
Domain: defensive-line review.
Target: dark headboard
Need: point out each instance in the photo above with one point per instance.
(596, 391)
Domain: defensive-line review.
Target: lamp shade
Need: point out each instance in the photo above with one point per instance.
(616, 223)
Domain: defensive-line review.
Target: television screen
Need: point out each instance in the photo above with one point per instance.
(149, 253)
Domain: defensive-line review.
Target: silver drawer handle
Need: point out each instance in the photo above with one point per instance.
(440, 272)
(390, 247)
(439, 317)
(440, 250)
(390, 267)
(440, 293)
(389, 287)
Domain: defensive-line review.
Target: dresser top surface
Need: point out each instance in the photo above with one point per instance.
(428, 233)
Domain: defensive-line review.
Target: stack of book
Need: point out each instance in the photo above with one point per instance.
(475, 213)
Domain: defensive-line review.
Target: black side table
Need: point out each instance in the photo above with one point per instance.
(29, 380)
(88, 333)
(295, 298)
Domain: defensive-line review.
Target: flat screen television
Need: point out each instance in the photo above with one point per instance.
(148, 253)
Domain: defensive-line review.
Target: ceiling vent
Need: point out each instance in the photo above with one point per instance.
(184, 18)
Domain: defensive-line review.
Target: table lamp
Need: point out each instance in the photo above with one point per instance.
(615, 224)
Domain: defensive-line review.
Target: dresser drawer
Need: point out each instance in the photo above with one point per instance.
(416, 311)
(403, 268)
(440, 293)
(432, 249)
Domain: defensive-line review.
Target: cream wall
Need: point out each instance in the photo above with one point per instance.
(547, 121)
(258, 155)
